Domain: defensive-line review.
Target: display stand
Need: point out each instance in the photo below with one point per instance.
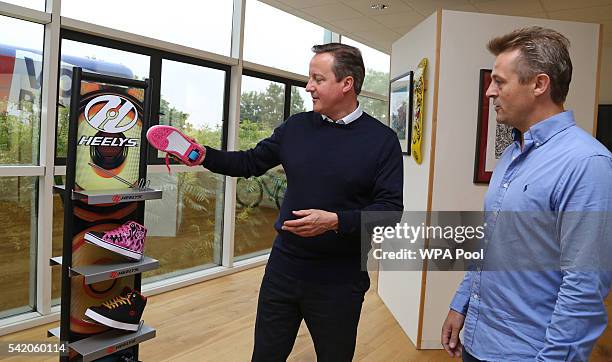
(105, 167)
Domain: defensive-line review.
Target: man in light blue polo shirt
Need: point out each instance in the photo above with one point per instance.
(539, 293)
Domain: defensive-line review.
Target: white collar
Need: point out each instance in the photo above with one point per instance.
(349, 118)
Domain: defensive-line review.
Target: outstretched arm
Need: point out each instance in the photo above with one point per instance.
(253, 162)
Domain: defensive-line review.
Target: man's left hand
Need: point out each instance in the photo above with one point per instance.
(313, 222)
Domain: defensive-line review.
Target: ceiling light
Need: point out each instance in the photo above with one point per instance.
(379, 6)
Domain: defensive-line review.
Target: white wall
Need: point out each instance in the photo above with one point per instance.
(401, 290)
(463, 53)
(605, 78)
(406, 53)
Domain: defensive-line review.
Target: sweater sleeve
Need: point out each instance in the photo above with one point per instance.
(387, 193)
(253, 162)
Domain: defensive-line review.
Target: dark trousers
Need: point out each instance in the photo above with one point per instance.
(331, 312)
(468, 357)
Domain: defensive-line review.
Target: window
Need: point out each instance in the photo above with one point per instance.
(57, 242)
(281, 40)
(258, 199)
(20, 91)
(192, 99)
(91, 58)
(21, 57)
(190, 215)
(203, 25)
(32, 4)
(301, 101)
(184, 228)
(377, 66)
(375, 108)
(17, 244)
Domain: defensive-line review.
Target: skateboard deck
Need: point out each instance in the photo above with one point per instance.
(417, 111)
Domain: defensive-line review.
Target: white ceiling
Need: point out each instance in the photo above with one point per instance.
(380, 28)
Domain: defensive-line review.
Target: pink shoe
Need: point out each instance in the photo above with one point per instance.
(172, 141)
(127, 240)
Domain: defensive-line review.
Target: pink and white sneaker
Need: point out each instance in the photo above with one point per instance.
(172, 141)
(127, 239)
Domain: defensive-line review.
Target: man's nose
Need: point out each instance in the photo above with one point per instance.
(491, 91)
(309, 87)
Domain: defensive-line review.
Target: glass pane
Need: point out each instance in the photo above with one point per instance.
(20, 90)
(301, 101)
(32, 4)
(287, 49)
(203, 25)
(377, 66)
(192, 100)
(261, 110)
(57, 241)
(375, 108)
(17, 244)
(184, 228)
(92, 58)
(258, 199)
(57, 235)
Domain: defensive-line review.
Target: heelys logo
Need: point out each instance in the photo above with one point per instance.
(110, 114)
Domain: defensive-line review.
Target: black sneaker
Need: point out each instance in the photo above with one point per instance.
(122, 312)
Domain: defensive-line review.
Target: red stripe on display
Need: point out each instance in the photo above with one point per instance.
(7, 65)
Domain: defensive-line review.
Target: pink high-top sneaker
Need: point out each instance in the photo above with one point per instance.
(172, 141)
(127, 239)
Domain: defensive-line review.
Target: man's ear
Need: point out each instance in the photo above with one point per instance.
(347, 84)
(541, 84)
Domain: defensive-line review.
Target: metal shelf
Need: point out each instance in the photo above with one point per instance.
(54, 332)
(95, 197)
(101, 272)
(109, 342)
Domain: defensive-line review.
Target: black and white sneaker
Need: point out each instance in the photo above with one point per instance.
(121, 312)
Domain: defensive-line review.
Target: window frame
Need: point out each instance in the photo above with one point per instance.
(287, 82)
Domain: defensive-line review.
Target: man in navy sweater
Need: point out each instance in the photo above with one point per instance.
(339, 162)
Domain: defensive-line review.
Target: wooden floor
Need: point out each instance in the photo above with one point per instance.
(213, 321)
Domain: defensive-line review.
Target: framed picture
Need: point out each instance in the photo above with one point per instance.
(604, 125)
(491, 138)
(400, 109)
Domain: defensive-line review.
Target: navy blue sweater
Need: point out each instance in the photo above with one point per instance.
(344, 169)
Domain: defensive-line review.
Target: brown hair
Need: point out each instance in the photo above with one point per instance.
(542, 51)
(347, 61)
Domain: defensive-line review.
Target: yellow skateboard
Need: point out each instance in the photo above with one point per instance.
(417, 111)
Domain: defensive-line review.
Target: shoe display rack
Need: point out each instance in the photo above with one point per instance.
(104, 188)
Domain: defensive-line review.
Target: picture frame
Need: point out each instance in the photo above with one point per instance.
(604, 125)
(400, 109)
(492, 138)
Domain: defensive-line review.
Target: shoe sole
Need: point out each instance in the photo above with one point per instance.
(110, 322)
(170, 140)
(92, 239)
(177, 144)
